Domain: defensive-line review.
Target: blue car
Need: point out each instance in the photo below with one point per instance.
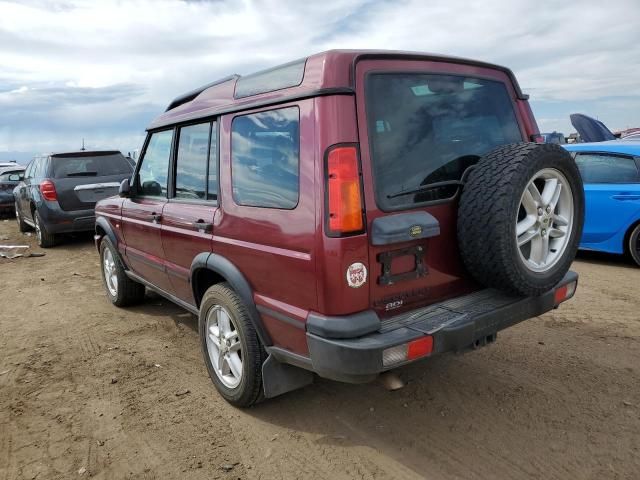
(611, 176)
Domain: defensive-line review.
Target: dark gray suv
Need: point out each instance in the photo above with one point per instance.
(59, 191)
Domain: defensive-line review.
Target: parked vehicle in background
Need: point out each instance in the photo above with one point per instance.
(9, 179)
(343, 215)
(553, 137)
(6, 166)
(611, 176)
(59, 191)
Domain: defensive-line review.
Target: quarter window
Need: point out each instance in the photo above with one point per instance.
(607, 168)
(265, 158)
(191, 164)
(155, 165)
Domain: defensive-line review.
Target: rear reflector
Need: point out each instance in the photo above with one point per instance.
(48, 190)
(406, 352)
(565, 292)
(344, 200)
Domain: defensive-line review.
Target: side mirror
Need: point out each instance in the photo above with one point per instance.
(125, 188)
(15, 177)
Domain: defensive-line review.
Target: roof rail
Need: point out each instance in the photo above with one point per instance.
(187, 97)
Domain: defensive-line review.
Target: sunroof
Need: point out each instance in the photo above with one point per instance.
(284, 76)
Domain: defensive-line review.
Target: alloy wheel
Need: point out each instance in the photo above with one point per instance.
(223, 346)
(110, 273)
(545, 220)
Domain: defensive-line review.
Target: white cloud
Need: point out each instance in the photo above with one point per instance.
(562, 52)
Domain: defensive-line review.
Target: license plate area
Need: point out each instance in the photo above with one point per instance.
(386, 259)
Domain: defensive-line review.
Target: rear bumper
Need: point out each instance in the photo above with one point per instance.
(454, 325)
(57, 220)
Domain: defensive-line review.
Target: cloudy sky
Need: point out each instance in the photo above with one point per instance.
(102, 70)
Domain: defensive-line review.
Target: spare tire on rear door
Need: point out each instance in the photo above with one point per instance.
(520, 217)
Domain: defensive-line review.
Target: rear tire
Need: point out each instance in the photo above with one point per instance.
(121, 290)
(22, 226)
(44, 238)
(634, 244)
(520, 218)
(231, 348)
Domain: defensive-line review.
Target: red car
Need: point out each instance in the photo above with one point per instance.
(343, 215)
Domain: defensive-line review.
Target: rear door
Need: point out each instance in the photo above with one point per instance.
(612, 195)
(421, 126)
(187, 218)
(142, 211)
(83, 178)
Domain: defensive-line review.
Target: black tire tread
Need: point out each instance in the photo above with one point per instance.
(47, 239)
(130, 292)
(252, 390)
(486, 215)
(633, 241)
(22, 226)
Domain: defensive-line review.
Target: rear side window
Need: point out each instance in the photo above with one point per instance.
(607, 168)
(89, 166)
(191, 163)
(154, 167)
(265, 157)
(429, 128)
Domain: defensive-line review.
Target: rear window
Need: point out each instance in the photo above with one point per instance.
(89, 166)
(427, 129)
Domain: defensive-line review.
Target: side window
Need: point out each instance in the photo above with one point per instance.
(37, 167)
(265, 156)
(607, 168)
(191, 162)
(28, 173)
(212, 189)
(152, 176)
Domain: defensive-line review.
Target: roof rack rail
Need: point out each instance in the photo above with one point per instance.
(187, 97)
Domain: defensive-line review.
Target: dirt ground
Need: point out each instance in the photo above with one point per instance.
(89, 390)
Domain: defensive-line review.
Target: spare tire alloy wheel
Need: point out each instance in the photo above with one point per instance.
(520, 218)
(223, 346)
(544, 220)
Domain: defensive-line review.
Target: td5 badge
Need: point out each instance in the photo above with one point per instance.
(356, 275)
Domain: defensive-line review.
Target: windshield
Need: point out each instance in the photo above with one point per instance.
(427, 129)
(90, 166)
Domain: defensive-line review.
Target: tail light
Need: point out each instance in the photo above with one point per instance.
(48, 190)
(537, 138)
(344, 192)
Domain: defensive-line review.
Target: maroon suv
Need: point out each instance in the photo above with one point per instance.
(343, 215)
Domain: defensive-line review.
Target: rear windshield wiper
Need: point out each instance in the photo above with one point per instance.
(82, 174)
(426, 188)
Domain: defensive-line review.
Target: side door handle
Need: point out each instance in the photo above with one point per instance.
(627, 196)
(154, 217)
(201, 225)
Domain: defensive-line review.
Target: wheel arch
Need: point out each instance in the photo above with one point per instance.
(627, 236)
(207, 269)
(104, 229)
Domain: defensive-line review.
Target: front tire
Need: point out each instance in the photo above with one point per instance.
(22, 226)
(232, 351)
(634, 244)
(121, 290)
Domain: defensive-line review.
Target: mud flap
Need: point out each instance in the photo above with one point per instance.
(279, 378)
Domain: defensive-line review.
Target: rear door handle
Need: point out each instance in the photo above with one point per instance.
(202, 225)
